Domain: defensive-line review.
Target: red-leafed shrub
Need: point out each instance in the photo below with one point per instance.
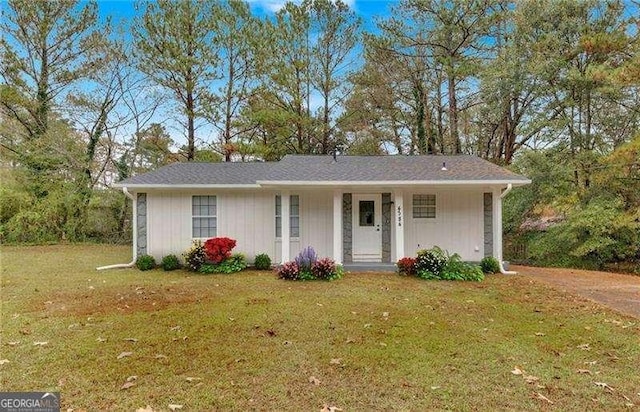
(406, 266)
(288, 271)
(324, 269)
(218, 249)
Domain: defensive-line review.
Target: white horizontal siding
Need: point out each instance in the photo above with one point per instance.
(316, 225)
(246, 216)
(316, 222)
(168, 224)
(457, 228)
(249, 218)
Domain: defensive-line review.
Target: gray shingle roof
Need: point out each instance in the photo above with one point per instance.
(390, 168)
(303, 168)
(231, 173)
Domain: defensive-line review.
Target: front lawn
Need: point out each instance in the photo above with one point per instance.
(250, 341)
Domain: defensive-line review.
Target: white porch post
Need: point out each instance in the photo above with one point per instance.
(285, 197)
(497, 224)
(398, 217)
(337, 226)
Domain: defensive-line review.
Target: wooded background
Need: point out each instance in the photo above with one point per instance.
(547, 88)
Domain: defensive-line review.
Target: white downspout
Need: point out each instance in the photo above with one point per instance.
(135, 235)
(502, 195)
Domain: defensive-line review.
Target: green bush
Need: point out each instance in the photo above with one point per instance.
(145, 262)
(195, 257)
(431, 260)
(426, 275)
(262, 262)
(472, 273)
(170, 262)
(489, 264)
(234, 264)
(452, 269)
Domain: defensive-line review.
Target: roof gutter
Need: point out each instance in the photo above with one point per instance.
(395, 183)
(500, 263)
(135, 246)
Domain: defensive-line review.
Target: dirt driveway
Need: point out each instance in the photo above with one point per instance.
(618, 291)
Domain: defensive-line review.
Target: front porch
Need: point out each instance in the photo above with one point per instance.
(369, 228)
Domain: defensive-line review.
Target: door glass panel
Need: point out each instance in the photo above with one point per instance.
(366, 213)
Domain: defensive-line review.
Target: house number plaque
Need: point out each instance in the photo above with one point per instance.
(399, 216)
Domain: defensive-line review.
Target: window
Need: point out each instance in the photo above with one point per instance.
(424, 206)
(366, 209)
(294, 216)
(204, 216)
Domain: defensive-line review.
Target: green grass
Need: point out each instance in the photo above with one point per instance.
(253, 341)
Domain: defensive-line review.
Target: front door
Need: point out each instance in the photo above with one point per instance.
(367, 231)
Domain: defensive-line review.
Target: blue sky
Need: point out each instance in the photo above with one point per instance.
(366, 9)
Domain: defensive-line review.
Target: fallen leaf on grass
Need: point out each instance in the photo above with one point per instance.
(335, 361)
(517, 371)
(132, 378)
(177, 327)
(604, 385)
(147, 409)
(192, 379)
(543, 398)
(127, 385)
(350, 340)
(174, 407)
(591, 363)
(531, 379)
(540, 334)
(134, 340)
(584, 371)
(584, 346)
(43, 343)
(101, 339)
(314, 380)
(433, 388)
(3, 361)
(367, 325)
(327, 408)
(385, 314)
(161, 356)
(124, 355)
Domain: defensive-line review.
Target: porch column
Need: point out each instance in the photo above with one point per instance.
(398, 217)
(337, 226)
(285, 203)
(497, 224)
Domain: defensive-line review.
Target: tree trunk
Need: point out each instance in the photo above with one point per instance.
(42, 97)
(418, 94)
(453, 114)
(191, 147)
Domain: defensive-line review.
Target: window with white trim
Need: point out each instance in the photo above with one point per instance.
(294, 216)
(424, 206)
(204, 221)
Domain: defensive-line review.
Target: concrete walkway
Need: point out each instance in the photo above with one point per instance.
(618, 291)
